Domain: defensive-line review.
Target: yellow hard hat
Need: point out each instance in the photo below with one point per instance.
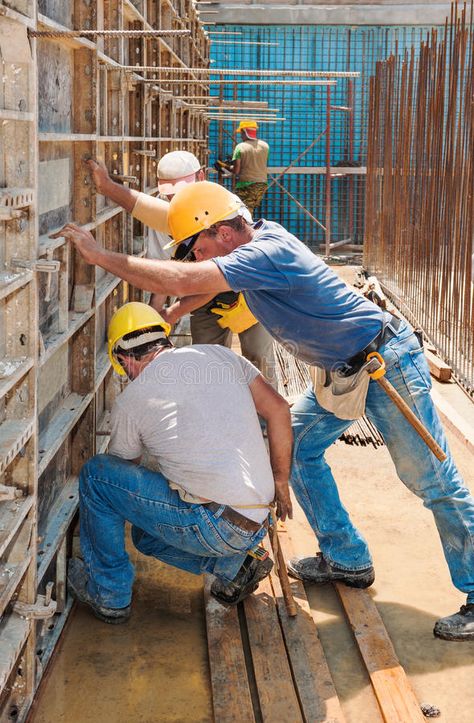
(197, 207)
(245, 124)
(133, 317)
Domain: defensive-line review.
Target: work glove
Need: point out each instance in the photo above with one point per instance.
(237, 317)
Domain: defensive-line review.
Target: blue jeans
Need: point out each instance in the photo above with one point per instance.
(191, 537)
(438, 484)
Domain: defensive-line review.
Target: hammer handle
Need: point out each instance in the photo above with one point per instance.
(412, 418)
(290, 604)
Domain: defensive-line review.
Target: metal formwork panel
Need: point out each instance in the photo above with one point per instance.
(64, 99)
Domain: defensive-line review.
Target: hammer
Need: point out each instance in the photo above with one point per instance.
(376, 371)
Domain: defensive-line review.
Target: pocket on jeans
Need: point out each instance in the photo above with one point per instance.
(230, 536)
(421, 365)
(236, 531)
(216, 551)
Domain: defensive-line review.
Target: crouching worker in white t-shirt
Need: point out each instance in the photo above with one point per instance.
(195, 411)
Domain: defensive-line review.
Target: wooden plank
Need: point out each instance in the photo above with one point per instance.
(11, 575)
(277, 696)
(59, 519)
(315, 686)
(438, 368)
(393, 690)
(230, 689)
(14, 434)
(14, 632)
(11, 371)
(60, 426)
(12, 515)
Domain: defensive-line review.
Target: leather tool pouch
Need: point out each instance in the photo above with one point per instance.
(340, 394)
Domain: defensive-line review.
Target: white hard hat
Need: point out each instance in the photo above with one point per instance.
(175, 170)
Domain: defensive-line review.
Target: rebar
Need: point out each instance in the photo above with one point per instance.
(107, 33)
(259, 83)
(237, 72)
(420, 180)
(236, 118)
(243, 42)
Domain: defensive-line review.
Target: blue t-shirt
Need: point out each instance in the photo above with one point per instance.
(299, 299)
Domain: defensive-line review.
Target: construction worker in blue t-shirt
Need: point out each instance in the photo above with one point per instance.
(306, 307)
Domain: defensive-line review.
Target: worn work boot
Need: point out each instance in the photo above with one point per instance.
(317, 569)
(459, 626)
(244, 583)
(77, 583)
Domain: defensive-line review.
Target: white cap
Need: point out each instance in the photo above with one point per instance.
(180, 166)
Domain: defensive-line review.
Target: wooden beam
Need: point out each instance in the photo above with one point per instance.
(277, 695)
(392, 688)
(230, 689)
(438, 368)
(316, 691)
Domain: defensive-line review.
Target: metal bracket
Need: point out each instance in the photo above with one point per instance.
(124, 179)
(42, 609)
(44, 266)
(150, 152)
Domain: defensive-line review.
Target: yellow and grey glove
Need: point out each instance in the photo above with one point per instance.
(236, 317)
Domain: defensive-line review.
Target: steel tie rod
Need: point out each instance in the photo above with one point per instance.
(259, 73)
(106, 33)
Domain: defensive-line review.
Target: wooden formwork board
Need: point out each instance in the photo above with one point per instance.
(267, 666)
(62, 101)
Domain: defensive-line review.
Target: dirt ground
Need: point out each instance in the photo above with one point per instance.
(156, 669)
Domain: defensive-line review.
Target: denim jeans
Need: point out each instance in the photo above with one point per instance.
(191, 537)
(438, 484)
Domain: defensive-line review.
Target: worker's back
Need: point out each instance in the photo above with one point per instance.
(192, 409)
(253, 156)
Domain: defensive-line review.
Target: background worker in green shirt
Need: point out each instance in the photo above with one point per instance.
(250, 165)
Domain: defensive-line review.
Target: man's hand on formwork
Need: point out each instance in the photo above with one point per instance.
(82, 239)
(284, 508)
(100, 174)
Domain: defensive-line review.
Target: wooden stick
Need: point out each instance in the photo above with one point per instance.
(282, 573)
(412, 418)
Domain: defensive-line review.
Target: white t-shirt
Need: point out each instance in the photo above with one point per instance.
(192, 410)
(157, 240)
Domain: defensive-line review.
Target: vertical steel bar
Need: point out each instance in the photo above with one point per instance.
(327, 234)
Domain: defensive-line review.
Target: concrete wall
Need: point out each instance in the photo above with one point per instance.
(331, 12)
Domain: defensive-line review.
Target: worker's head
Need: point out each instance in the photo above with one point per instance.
(248, 130)
(176, 170)
(136, 334)
(205, 221)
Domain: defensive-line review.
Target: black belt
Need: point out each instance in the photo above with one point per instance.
(228, 513)
(388, 331)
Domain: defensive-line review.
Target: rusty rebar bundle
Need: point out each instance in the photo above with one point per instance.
(107, 33)
(420, 181)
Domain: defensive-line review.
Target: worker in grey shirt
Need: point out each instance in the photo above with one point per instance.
(194, 410)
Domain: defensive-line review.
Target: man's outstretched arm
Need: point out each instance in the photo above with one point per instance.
(123, 196)
(159, 277)
(153, 212)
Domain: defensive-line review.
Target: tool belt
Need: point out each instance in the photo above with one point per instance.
(343, 392)
(389, 330)
(228, 513)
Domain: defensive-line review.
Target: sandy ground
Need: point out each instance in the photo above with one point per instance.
(156, 668)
